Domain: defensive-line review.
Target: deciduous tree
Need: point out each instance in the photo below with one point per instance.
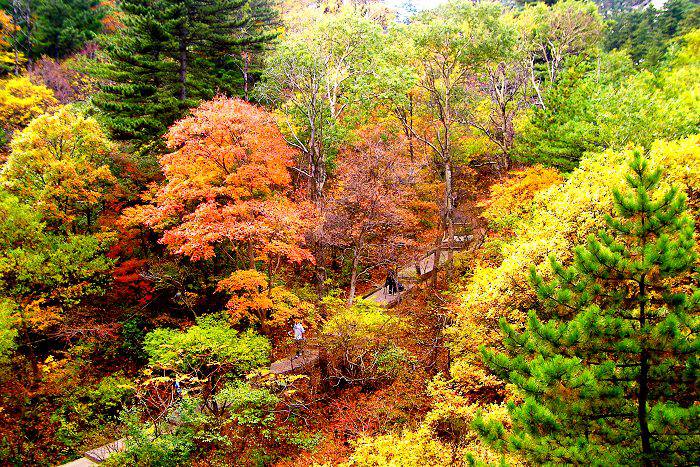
(554, 33)
(203, 357)
(361, 341)
(368, 212)
(43, 273)
(452, 43)
(61, 164)
(317, 72)
(7, 32)
(226, 183)
(21, 101)
(226, 193)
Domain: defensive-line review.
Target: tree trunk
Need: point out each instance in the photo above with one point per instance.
(318, 174)
(264, 328)
(409, 122)
(643, 382)
(251, 256)
(353, 275)
(183, 63)
(507, 138)
(317, 167)
(16, 61)
(246, 67)
(320, 275)
(449, 214)
(29, 34)
(269, 277)
(436, 257)
(33, 361)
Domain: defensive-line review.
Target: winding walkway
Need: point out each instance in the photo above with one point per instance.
(409, 276)
(308, 357)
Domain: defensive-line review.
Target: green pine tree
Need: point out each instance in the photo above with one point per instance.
(138, 91)
(607, 366)
(559, 134)
(170, 55)
(63, 26)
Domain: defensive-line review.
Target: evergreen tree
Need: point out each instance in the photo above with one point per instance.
(138, 96)
(204, 33)
(170, 55)
(63, 26)
(607, 367)
(646, 33)
(560, 133)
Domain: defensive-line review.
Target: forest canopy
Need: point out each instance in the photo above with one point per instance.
(349, 232)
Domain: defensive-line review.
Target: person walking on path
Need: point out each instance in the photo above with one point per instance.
(390, 282)
(298, 331)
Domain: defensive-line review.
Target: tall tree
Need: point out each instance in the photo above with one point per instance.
(170, 55)
(138, 93)
(226, 197)
(7, 31)
(63, 26)
(368, 211)
(497, 93)
(44, 273)
(553, 34)
(264, 19)
(204, 32)
(317, 72)
(20, 102)
(645, 33)
(21, 12)
(452, 44)
(607, 366)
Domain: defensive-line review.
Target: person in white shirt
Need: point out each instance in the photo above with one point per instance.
(298, 330)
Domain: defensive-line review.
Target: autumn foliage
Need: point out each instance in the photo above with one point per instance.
(21, 101)
(227, 182)
(227, 198)
(512, 199)
(61, 164)
(161, 238)
(372, 209)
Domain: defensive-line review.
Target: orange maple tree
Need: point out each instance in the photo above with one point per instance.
(227, 191)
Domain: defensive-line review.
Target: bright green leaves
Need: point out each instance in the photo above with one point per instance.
(36, 263)
(613, 332)
(8, 333)
(211, 346)
(248, 405)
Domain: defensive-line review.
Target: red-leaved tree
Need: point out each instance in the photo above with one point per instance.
(372, 212)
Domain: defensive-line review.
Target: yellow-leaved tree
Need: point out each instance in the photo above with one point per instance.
(60, 163)
(21, 101)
